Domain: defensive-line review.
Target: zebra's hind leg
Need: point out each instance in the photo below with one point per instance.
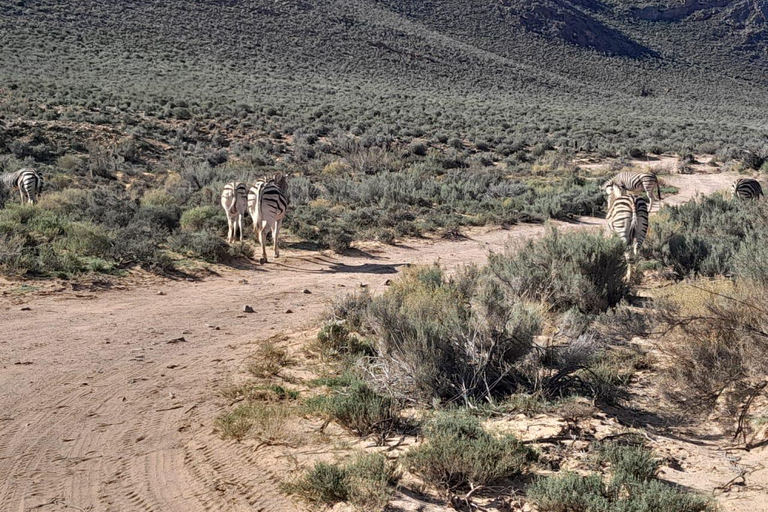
(262, 242)
(230, 227)
(630, 260)
(275, 233)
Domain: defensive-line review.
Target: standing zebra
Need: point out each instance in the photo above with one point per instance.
(628, 218)
(632, 181)
(267, 205)
(28, 181)
(234, 200)
(747, 188)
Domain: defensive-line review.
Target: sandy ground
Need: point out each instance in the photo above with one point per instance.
(108, 398)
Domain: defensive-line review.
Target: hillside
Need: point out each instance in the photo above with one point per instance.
(579, 72)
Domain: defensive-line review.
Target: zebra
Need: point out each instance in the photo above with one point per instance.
(28, 181)
(632, 181)
(746, 188)
(267, 205)
(234, 200)
(627, 217)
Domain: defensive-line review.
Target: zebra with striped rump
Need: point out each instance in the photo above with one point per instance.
(234, 200)
(28, 181)
(747, 188)
(633, 181)
(627, 217)
(267, 205)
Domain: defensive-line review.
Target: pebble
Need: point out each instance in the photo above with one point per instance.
(247, 309)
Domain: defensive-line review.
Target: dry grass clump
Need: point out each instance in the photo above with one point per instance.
(268, 360)
(269, 423)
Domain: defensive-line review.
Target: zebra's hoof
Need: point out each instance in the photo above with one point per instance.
(262, 260)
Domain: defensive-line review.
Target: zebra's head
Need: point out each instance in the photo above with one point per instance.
(613, 189)
(280, 181)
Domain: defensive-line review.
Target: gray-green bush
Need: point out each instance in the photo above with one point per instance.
(458, 453)
(566, 270)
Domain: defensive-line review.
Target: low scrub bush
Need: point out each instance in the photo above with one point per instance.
(367, 483)
(633, 487)
(704, 237)
(202, 245)
(334, 339)
(573, 270)
(459, 454)
(449, 338)
(201, 218)
(359, 408)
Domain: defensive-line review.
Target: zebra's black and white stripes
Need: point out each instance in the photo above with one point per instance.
(747, 188)
(267, 205)
(627, 217)
(234, 200)
(632, 181)
(28, 181)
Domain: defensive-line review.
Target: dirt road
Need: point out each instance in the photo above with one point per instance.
(107, 399)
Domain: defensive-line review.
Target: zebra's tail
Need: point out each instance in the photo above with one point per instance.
(658, 189)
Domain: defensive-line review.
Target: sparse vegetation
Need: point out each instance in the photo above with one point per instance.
(265, 422)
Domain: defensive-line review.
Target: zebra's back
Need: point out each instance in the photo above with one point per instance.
(266, 201)
(747, 188)
(234, 197)
(628, 218)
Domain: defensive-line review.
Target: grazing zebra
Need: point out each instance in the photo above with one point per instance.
(628, 218)
(267, 205)
(747, 188)
(632, 181)
(234, 200)
(28, 181)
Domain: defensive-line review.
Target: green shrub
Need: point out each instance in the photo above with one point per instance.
(632, 488)
(358, 408)
(202, 218)
(572, 270)
(352, 308)
(629, 464)
(448, 338)
(334, 339)
(367, 483)
(704, 237)
(569, 492)
(458, 453)
(203, 245)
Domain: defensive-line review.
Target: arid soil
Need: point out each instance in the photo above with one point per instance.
(108, 397)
